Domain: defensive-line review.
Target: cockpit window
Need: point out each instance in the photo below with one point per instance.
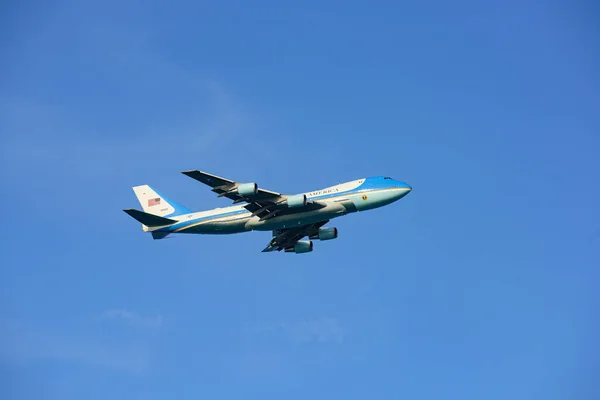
(387, 177)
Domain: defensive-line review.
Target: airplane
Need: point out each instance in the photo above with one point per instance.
(290, 217)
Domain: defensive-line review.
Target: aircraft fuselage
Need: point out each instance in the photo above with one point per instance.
(355, 196)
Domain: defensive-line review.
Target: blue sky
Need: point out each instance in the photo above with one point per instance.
(482, 283)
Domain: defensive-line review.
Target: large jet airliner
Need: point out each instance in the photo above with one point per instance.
(291, 218)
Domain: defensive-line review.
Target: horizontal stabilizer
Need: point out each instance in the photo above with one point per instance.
(160, 235)
(149, 220)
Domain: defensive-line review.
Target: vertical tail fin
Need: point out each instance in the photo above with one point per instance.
(155, 203)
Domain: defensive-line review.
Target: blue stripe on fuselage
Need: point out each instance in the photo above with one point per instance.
(213, 217)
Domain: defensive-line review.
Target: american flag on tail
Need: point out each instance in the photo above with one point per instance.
(153, 202)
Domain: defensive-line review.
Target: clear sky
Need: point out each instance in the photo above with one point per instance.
(480, 284)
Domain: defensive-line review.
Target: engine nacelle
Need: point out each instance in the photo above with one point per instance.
(325, 234)
(298, 200)
(301, 246)
(247, 189)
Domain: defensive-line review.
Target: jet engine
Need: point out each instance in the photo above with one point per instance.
(325, 234)
(247, 189)
(301, 246)
(298, 200)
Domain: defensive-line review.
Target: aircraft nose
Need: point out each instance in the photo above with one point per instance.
(405, 189)
(404, 185)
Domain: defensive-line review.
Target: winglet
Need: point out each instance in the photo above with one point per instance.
(149, 220)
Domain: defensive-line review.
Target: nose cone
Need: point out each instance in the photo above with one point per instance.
(403, 189)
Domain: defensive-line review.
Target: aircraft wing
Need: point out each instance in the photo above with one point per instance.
(226, 187)
(261, 202)
(286, 238)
